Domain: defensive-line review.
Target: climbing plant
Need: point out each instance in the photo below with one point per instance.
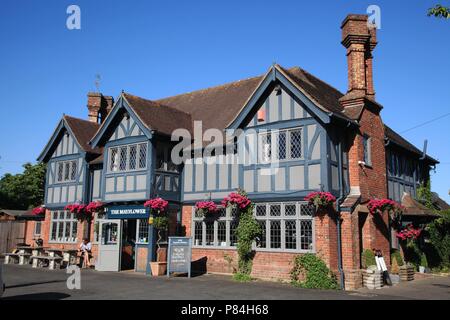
(247, 231)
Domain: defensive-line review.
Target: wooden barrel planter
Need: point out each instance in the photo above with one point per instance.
(406, 273)
(372, 278)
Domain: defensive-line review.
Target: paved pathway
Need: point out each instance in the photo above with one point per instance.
(23, 282)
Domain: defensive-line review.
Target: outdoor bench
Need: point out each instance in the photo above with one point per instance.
(53, 262)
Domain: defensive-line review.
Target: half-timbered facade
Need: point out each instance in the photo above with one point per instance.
(290, 134)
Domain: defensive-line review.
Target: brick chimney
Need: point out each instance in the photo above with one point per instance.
(98, 106)
(360, 40)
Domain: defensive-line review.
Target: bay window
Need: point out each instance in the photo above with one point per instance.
(286, 226)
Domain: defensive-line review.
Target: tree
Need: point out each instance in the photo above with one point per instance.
(425, 196)
(24, 190)
(439, 11)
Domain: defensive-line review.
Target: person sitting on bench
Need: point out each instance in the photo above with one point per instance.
(85, 249)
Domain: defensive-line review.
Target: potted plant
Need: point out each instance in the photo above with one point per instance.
(321, 200)
(160, 222)
(38, 211)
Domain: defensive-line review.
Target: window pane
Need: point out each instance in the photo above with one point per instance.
(291, 234)
(133, 156)
(222, 212)
(290, 210)
(53, 234)
(275, 210)
(143, 231)
(60, 231)
(266, 148)
(261, 210)
(209, 233)
(37, 228)
(66, 170)
(114, 159)
(60, 171)
(142, 155)
(306, 235)
(74, 231)
(281, 145)
(222, 233)
(306, 210)
(296, 144)
(233, 237)
(261, 241)
(73, 170)
(67, 230)
(275, 234)
(198, 233)
(123, 159)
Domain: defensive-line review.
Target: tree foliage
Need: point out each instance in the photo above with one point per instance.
(24, 190)
(425, 196)
(439, 235)
(439, 11)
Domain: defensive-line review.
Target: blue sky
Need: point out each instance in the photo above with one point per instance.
(160, 48)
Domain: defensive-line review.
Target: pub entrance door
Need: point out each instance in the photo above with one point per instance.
(109, 248)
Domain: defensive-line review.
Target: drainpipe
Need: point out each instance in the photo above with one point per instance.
(338, 217)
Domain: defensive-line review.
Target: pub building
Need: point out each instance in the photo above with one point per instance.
(320, 138)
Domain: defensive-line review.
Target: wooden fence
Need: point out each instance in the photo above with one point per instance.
(11, 233)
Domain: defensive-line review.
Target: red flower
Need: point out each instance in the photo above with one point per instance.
(94, 206)
(158, 204)
(208, 206)
(320, 199)
(409, 233)
(236, 199)
(38, 211)
(381, 205)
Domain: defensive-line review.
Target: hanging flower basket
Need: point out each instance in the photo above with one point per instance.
(157, 205)
(95, 207)
(79, 210)
(382, 205)
(204, 208)
(237, 199)
(38, 211)
(321, 200)
(409, 233)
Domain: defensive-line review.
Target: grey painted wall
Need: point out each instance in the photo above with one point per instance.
(203, 178)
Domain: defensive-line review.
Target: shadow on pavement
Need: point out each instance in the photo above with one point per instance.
(39, 296)
(33, 284)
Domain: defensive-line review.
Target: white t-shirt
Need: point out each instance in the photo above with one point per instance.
(87, 246)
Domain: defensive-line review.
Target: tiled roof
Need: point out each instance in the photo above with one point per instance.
(403, 143)
(83, 130)
(156, 116)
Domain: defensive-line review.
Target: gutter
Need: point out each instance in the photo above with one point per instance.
(338, 217)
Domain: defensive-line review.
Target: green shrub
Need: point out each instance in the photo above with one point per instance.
(423, 260)
(395, 255)
(439, 235)
(242, 277)
(368, 258)
(314, 271)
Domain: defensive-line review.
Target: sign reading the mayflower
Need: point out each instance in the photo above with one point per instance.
(127, 212)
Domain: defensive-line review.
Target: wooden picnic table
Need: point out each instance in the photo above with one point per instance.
(68, 255)
(27, 251)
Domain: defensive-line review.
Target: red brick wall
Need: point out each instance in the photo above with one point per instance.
(45, 234)
(266, 265)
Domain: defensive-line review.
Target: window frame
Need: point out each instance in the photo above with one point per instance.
(138, 230)
(115, 161)
(230, 219)
(37, 234)
(68, 220)
(367, 150)
(275, 147)
(66, 165)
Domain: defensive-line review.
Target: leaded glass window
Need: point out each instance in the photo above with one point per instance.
(64, 227)
(280, 145)
(127, 158)
(66, 171)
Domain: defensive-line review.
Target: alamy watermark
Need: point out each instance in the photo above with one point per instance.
(74, 280)
(374, 13)
(73, 21)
